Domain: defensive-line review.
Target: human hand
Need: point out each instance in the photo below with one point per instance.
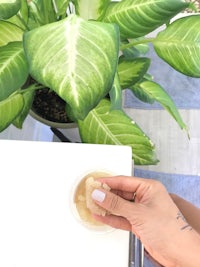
(152, 217)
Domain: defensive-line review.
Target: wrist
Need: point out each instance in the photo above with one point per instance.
(179, 245)
(184, 249)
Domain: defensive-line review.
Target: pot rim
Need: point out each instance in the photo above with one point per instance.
(61, 125)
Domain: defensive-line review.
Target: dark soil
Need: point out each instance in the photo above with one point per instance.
(50, 106)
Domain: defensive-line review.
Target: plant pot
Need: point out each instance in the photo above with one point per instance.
(49, 109)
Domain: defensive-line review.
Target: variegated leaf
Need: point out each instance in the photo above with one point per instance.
(179, 45)
(116, 94)
(61, 7)
(131, 70)
(9, 8)
(28, 100)
(106, 126)
(88, 9)
(13, 68)
(154, 91)
(141, 94)
(9, 33)
(69, 65)
(139, 17)
(41, 12)
(10, 109)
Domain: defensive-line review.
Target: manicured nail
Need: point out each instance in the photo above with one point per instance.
(98, 195)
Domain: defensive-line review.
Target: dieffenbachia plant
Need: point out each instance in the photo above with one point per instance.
(88, 52)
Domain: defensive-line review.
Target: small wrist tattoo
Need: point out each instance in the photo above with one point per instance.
(181, 217)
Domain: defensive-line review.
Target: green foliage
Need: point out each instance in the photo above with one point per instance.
(13, 68)
(9, 8)
(80, 82)
(95, 11)
(9, 33)
(10, 109)
(28, 100)
(132, 70)
(88, 52)
(115, 127)
(179, 48)
(151, 91)
(137, 18)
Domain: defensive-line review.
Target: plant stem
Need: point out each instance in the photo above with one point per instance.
(30, 88)
(55, 9)
(20, 19)
(137, 42)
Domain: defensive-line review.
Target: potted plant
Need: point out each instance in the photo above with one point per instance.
(87, 53)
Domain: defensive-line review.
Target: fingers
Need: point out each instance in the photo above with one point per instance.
(125, 195)
(127, 187)
(113, 203)
(125, 183)
(114, 221)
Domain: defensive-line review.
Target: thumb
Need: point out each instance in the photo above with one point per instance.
(112, 203)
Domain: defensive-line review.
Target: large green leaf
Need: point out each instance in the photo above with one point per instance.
(9, 8)
(131, 70)
(154, 91)
(9, 33)
(179, 45)
(28, 100)
(139, 17)
(13, 68)
(88, 9)
(105, 126)
(10, 109)
(75, 58)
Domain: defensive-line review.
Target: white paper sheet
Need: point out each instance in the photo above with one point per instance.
(37, 228)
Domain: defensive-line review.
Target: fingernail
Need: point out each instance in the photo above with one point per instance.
(98, 195)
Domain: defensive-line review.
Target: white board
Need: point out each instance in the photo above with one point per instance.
(37, 227)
